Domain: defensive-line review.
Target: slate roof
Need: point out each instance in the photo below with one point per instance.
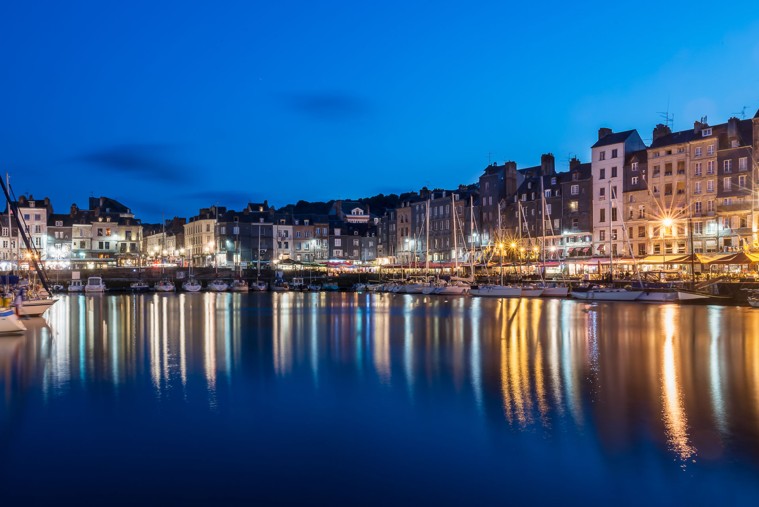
(613, 138)
(640, 156)
(683, 136)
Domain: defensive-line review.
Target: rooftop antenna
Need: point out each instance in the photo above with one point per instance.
(490, 153)
(742, 114)
(669, 118)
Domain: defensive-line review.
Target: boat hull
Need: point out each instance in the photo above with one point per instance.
(36, 307)
(9, 323)
(555, 292)
(659, 297)
(451, 290)
(497, 292)
(608, 295)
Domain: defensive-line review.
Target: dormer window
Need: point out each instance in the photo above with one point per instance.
(706, 132)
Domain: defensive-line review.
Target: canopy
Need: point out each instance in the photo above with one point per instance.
(675, 259)
(739, 258)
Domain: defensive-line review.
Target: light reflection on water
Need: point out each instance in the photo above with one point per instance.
(682, 380)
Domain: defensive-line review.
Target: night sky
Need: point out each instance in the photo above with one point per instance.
(168, 106)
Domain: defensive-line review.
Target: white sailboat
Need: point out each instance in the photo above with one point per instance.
(497, 290)
(164, 285)
(598, 292)
(218, 285)
(191, 285)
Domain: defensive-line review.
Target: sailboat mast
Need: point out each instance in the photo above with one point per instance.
(543, 216)
(258, 257)
(611, 245)
(454, 215)
(500, 240)
(471, 234)
(427, 240)
(28, 242)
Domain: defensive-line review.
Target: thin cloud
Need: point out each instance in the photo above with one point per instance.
(327, 106)
(149, 161)
(220, 196)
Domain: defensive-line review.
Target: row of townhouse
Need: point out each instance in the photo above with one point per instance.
(432, 228)
(105, 234)
(259, 234)
(689, 191)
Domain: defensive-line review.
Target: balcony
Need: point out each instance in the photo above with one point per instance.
(734, 207)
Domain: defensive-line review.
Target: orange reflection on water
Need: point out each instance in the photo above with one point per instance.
(675, 419)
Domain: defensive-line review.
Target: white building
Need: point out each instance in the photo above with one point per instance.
(284, 244)
(608, 208)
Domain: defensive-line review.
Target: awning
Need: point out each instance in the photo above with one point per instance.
(665, 259)
(738, 259)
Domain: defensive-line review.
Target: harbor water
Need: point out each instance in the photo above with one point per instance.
(379, 399)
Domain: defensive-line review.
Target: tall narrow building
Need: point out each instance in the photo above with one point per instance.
(607, 163)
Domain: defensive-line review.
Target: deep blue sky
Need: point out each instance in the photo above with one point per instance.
(172, 105)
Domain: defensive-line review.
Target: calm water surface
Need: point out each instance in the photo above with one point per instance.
(380, 399)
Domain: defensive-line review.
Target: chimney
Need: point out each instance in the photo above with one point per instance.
(547, 164)
(603, 132)
(574, 163)
(661, 131)
(74, 210)
(732, 128)
(699, 125)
